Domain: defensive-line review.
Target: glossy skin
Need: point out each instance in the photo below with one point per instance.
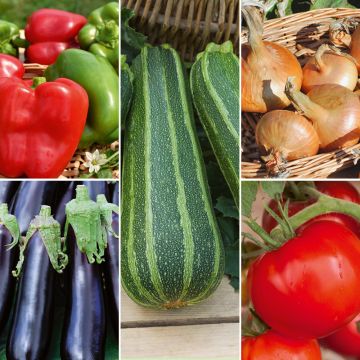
(264, 74)
(272, 346)
(83, 337)
(7, 258)
(345, 341)
(40, 128)
(101, 82)
(112, 267)
(275, 133)
(11, 66)
(299, 302)
(338, 189)
(30, 333)
(336, 69)
(89, 34)
(51, 28)
(46, 53)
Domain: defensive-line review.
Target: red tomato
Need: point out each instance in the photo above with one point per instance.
(310, 286)
(272, 346)
(346, 341)
(338, 189)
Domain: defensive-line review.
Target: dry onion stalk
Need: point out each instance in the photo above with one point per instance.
(330, 66)
(334, 111)
(265, 68)
(284, 135)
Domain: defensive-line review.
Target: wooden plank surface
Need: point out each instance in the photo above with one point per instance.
(215, 341)
(208, 330)
(222, 306)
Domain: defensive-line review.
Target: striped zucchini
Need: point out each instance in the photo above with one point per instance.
(126, 89)
(215, 91)
(172, 253)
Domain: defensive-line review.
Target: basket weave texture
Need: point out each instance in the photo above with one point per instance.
(188, 25)
(302, 34)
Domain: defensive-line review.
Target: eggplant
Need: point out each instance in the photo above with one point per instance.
(84, 331)
(7, 257)
(30, 333)
(111, 265)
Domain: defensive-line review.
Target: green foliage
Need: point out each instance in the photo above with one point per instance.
(296, 6)
(131, 41)
(17, 11)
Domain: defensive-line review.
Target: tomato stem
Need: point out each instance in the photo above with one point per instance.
(324, 205)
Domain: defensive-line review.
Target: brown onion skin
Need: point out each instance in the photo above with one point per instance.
(355, 46)
(287, 133)
(336, 69)
(341, 127)
(265, 67)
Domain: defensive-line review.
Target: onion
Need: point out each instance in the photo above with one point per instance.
(330, 66)
(286, 135)
(265, 68)
(334, 111)
(355, 46)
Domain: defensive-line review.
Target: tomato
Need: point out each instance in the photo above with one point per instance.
(310, 286)
(345, 341)
(338, 189)
(272, 346)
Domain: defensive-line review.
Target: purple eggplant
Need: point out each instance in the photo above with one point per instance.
(112, 267)
(30, 332)
(7, 257)
(84, 331)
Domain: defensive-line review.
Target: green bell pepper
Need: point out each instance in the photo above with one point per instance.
(101, 82)
(10, 38)
(101, 35)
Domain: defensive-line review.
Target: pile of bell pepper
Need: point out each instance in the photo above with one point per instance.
(75, 104)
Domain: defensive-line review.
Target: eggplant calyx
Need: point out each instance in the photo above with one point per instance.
(106, 210)
(10, 223)
(84, 216)
(50, 233)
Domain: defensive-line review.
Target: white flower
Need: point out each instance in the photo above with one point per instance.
(94, 161)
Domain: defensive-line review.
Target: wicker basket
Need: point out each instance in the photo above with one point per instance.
(76, 165)
(301, 34)
(188, 25)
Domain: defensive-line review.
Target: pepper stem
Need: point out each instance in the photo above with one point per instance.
(38, 81)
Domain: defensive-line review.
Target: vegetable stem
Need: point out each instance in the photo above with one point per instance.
(324, 205)
(303, 103)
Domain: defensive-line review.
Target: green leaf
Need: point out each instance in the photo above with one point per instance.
(248, 196)
(229, 229)
(321, 4)
(104, 173)
(131, 41)
(227, 207)
(232, 263)
(273, 188)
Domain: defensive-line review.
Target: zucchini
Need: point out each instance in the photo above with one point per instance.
(126, 89)
(214, 82)
(171, 250)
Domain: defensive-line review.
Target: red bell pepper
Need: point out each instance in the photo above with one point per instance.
(50, 32)
(11, 66)
(40, 128)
